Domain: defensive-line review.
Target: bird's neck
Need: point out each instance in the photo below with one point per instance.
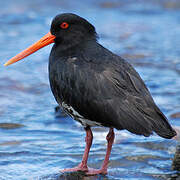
(73, 48)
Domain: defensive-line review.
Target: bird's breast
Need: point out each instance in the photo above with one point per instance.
(66, 79)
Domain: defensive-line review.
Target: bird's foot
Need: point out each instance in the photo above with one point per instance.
(93, 172)
(88, 171)
(80, 167)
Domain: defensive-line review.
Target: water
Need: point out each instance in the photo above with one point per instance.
(37, 143)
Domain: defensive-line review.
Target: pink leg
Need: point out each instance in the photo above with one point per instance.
(110, 139)
(83, 165)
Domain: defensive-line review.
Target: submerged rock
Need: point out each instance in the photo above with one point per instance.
(10, 125)
(175, 115)
(72, 176)
(10, 143)
(59, 112)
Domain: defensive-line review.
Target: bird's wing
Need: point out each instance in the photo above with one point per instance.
(116, 96)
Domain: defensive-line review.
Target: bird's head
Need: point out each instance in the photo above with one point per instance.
(66, 30)
(70, 29)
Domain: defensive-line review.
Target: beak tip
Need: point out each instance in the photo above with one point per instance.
(6, 64)
(44, 41)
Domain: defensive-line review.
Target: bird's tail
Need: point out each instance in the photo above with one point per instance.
(162, 127)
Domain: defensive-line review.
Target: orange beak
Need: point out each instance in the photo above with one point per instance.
(44, 41)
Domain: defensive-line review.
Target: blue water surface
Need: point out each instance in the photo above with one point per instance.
(36, 143)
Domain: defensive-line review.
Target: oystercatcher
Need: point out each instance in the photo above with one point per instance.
(96, 87)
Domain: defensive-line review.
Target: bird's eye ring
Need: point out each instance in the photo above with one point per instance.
(64, 25)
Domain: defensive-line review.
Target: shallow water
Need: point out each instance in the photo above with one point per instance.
(35, 142)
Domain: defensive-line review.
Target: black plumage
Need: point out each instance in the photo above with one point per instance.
(97, 87)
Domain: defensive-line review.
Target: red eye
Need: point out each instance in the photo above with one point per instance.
(64, 25)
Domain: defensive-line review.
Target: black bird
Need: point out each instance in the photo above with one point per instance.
(96, 87)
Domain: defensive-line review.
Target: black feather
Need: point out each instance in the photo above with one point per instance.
(104, 88)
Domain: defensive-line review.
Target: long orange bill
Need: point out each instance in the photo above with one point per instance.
(44, 41)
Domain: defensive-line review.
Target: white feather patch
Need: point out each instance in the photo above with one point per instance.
(76, 116)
